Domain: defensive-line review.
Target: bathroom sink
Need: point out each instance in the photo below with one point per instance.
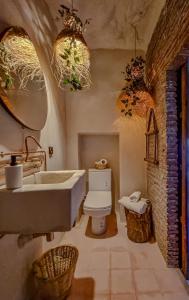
(48, 202)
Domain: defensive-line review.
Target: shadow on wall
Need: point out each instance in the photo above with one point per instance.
(132, 146)
(130, 125)
(35, 17)
(42, 29)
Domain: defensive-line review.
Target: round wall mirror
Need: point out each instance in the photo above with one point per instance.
(22, 86)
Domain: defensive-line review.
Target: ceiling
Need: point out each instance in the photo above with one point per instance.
(110, 27)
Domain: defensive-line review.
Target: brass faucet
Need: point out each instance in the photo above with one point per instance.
(26, 145)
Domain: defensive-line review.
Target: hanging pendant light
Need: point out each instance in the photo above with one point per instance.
(19, 63)
(135, 97)
(71, 58)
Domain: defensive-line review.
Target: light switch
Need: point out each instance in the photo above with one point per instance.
(51, 151)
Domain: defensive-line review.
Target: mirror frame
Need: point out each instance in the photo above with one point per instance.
(4, 100)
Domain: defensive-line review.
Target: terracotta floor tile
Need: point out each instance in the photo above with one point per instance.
(140, 260)
(120, 260)
(150, 296)
(124, 297)
(101, 280)
(169, 280)
(145, 281)
(176, 296)
(116, 268)
(83, 261)
(122, 282)
(99, 260)
(101, 297)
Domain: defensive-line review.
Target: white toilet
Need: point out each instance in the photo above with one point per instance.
(98, 203)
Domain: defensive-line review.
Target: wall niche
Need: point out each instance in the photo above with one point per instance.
(93, 146)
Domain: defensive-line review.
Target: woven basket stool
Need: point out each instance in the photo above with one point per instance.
(139, 226)
(54, 271)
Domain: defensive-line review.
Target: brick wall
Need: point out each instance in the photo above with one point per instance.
(166, 52)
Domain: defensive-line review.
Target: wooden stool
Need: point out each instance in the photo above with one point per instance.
(139, 226)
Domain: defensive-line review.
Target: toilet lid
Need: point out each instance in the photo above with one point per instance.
(98, 199)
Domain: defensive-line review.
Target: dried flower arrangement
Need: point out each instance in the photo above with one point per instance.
(71, 57)
(18, 58)
(6, 80)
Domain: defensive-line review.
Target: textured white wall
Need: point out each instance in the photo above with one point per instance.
(35, 18)
(94, 111)
(111, 20)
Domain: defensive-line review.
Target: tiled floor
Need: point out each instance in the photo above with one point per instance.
(118, 269)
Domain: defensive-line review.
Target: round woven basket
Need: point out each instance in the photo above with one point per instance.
(54, 271)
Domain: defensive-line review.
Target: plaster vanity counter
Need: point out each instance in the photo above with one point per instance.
(47, 202)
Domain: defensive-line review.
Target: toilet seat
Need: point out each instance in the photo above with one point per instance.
(98, 200)
(98, 203)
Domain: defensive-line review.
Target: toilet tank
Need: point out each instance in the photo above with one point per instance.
(100, 180)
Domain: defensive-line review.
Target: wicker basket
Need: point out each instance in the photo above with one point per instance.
(139, 227)
(54, 271)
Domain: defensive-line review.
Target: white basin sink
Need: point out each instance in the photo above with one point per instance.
(47, 202)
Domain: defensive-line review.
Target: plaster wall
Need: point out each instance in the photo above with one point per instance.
(95, 146)
(94, 111)
(35, 18)
(111, 21)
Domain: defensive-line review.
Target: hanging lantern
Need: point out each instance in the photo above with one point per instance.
(71, 58)
(144, 103)
(135, 97)
(19, 61)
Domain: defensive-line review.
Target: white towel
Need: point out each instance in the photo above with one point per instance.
(135, 197)
(138, 207)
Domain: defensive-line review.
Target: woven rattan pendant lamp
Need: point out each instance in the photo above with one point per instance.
(71, 57)
(135, 97)
(18, 60)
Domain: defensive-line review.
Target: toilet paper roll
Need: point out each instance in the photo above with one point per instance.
(103, 161)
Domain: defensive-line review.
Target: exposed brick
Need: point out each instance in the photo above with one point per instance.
(167, 42)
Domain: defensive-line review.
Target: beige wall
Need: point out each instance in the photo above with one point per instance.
(93, 147)
(94, 111)
(35, 18)
(90, 112)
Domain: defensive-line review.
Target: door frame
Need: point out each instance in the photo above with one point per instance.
(173, 197)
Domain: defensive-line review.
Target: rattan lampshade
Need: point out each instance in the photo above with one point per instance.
(18, 57)
(142, 105)
(71, 59)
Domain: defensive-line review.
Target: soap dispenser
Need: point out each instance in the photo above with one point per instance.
(13, 174)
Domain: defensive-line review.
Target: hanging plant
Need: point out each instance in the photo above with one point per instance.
(71, 59)
(129, 97)
(135, 97)
(135, 70)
